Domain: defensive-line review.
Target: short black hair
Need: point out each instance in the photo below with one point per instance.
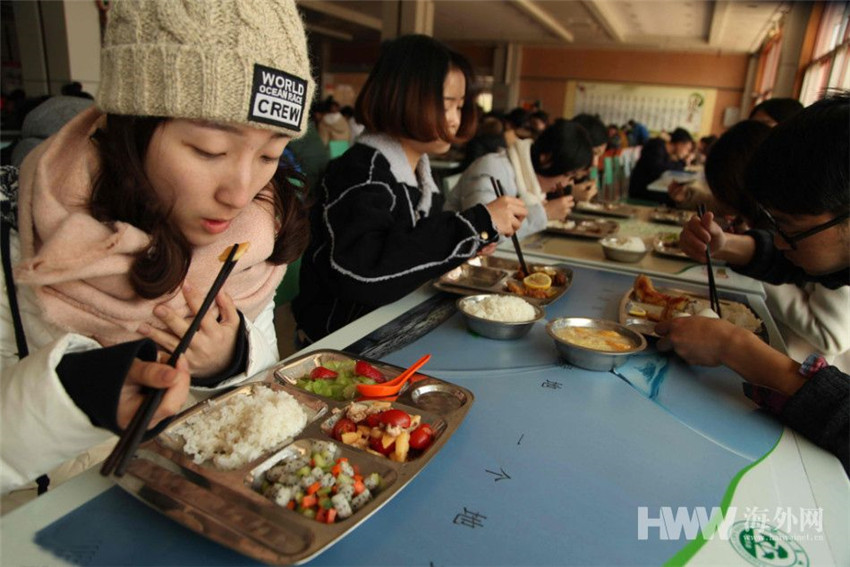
(802, 166)
(681, 135)
(541, 114)
(568, 146)
(517, 118)
(780, 109)
(726, 166)
(596, 129)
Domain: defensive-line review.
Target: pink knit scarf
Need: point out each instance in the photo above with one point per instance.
(78, 266)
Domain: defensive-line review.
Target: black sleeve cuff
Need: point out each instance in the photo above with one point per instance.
(238, 364)
(94, 378)
(480, 218)
(820, 410)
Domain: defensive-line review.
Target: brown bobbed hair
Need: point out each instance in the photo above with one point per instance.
(403, 96)
(123, 192)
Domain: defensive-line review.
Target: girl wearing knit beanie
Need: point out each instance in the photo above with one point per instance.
(379, 230)
(120, 218)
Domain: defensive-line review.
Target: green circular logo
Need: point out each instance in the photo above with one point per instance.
(764, 545)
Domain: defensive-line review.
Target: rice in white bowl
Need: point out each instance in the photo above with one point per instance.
(504, 308)
(629, 243)
(242, 428)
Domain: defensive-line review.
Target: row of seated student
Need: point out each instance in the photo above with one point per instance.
(380, 228)
(167, 193)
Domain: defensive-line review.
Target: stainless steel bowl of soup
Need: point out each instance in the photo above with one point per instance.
(594, 344)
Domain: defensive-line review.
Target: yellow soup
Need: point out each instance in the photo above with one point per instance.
(597, 339)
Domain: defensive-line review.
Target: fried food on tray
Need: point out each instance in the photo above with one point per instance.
(645, 292)
(559, 278)
(539, 284)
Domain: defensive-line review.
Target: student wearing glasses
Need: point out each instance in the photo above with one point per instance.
(799, 177)
(810, 316)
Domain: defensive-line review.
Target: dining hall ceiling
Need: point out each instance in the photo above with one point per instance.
(733, 26)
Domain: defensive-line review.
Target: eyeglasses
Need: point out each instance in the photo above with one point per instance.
(793, 239)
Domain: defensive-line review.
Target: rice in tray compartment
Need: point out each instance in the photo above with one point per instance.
(239, 430)
(501, 308)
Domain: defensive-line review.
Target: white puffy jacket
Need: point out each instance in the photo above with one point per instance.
(40, 426)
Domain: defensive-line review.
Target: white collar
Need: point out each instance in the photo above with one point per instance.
(391, 149)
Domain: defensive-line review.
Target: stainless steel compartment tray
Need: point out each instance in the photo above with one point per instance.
(224, 506)
(491, 274)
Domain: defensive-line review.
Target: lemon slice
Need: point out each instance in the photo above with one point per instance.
(537, 280)
(637, 311)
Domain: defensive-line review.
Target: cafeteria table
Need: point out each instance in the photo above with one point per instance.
(589, 252)
(554, 465)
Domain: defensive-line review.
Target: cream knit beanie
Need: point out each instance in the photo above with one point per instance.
(241, 61)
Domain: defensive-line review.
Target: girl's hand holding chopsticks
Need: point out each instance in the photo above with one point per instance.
(119, 459)
(212, 347)
(559, 208)
(507, 214)
(144, 375)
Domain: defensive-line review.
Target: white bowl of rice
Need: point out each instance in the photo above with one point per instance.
(497, 316)
(624, 248)
(241, 426)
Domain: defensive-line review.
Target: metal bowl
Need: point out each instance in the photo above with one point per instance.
(612, 252)
(496, 329)
(589, 358)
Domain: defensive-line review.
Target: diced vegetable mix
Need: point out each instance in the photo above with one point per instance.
(323, 486)
(338, 379)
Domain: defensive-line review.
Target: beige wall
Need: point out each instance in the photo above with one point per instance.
(82, 24)
(70, 50)
(545, 71)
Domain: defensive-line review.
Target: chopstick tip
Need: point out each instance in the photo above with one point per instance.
(241, 248)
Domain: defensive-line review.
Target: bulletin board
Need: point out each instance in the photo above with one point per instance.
(658, 107)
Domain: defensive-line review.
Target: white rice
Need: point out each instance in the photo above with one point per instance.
(631, 243)
(505, 308)
(241, 429)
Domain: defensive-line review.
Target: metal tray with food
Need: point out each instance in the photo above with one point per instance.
(643, 306)
(280, 474)
(666, 215)
(606, 209)
(667, 244)
(583, 227)
(489, 274)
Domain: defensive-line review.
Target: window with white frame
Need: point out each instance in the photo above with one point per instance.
(830, 64)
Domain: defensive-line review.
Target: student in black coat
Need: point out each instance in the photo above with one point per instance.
(378, 230)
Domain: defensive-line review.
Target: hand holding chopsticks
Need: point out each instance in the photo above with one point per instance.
(124, 450)
(500, 192)
(712, 286)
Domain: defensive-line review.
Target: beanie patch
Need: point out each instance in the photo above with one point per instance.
(277, 98)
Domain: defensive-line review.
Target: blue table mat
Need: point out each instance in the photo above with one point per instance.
(549, 468)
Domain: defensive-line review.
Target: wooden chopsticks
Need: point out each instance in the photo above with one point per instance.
(713, 298)
(500, 192)
(124, 450)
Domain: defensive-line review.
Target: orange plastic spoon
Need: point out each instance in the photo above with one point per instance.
(392, 387)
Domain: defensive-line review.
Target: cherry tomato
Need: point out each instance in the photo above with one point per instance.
(363, 368)
(420, 437)
(396, 418)
(344, 425)
(373, 419)
(322, 373)
(376, 445)
(427, 428)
